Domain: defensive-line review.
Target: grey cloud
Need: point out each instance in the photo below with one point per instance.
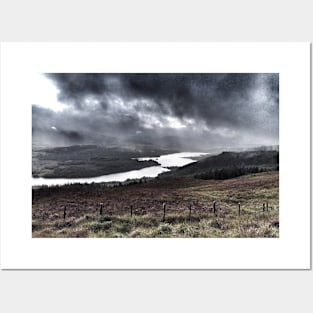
(212, 107)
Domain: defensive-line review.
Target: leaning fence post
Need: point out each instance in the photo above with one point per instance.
(101, 208)
(64, 212)
(164, 208)
(239, 208)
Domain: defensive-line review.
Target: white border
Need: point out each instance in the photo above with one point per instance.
(290, 251)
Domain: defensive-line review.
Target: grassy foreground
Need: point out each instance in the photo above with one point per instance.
(83, 218)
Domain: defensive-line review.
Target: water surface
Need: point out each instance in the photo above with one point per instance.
(174, 159)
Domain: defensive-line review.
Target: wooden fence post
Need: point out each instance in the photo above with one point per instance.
(64, 212)
(189, 211)
(214, 207)
(164, 209)
(239, 208)
(267, 205)
(131, 211)
(263, 207)
(101, 208)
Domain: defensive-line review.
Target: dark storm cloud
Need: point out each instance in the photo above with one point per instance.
(206, 107)
(72, 135)
(75, 87)
(209, 96)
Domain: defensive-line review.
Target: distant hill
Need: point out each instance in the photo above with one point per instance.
(229, 164)
(89, 160)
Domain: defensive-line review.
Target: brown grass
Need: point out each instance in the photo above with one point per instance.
(83, 218)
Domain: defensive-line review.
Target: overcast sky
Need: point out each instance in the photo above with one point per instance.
(181, 111)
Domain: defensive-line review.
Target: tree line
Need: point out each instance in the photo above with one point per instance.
(230, 172)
